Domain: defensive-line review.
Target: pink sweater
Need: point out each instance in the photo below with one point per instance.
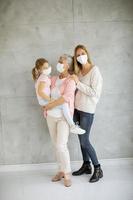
(67, 90)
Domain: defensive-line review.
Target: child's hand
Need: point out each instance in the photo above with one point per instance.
(75, 78)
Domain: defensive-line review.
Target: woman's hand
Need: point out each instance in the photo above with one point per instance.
(51, 100)
(54, 103)
(75, 78)
(48, 106)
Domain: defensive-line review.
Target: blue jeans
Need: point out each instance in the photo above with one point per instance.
(85, 121)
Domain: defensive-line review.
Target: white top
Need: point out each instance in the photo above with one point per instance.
(55, 94)
(89, 91)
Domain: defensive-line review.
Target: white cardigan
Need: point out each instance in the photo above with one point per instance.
(89, 91)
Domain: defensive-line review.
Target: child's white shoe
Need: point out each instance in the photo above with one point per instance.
(77, 130)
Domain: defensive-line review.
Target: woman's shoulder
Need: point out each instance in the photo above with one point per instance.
(53, 80)
(70, 83)
(70, 80)
(95, 68)
(96, 71)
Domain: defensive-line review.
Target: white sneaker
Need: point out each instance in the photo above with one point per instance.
(77, 130)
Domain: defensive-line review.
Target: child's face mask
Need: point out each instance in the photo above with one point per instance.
(47, 71)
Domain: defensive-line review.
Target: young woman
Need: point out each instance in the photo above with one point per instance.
(88, 81)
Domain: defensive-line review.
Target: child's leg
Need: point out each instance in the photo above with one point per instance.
(67, 114)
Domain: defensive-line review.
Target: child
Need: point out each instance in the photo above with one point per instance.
(40, 74)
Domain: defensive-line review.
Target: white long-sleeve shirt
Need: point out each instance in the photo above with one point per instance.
(89, 91)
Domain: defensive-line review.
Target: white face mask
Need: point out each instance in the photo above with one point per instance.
(47, 71)
(82, 59)
(60, 67)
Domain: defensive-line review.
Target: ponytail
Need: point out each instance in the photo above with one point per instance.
(35, 74)
(36, 71)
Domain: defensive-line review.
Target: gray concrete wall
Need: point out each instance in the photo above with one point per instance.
(31, 29)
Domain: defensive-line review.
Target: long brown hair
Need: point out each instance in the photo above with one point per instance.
(76, 65)
(36, 71)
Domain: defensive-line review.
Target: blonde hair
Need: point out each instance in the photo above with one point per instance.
(36, 71)
(76, 65)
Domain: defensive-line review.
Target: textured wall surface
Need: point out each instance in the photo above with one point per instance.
(47, 28)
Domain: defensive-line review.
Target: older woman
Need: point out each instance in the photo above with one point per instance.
(89, 85)
(57, 124)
